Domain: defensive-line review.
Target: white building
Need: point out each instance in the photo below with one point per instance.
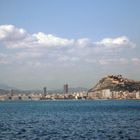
(106, 93)
(138, 95)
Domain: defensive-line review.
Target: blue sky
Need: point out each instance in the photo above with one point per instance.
(49, 42)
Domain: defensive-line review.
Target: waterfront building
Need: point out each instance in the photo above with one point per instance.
(104, 94)
(138, 95)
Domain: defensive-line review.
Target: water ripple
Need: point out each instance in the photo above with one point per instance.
(70, 120)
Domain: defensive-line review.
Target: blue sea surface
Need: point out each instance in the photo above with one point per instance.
(70, 120)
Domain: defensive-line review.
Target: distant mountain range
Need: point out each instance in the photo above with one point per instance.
(76, 89)
(6, 87)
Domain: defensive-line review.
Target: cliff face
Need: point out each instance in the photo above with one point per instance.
(116, 83)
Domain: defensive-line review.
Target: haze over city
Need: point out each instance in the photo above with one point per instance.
(49, 43)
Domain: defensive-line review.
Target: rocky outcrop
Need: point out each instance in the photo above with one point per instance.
(116, 83)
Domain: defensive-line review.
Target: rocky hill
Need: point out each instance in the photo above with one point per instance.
(116, 83)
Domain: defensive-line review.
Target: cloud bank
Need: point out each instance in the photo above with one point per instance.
(41, 48)
(14, 37)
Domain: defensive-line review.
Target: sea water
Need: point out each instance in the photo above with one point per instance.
(70, 120)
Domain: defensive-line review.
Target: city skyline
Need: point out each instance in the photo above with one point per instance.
(77, 42)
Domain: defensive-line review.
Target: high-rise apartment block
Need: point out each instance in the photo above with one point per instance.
(65, 88)
(45, 91)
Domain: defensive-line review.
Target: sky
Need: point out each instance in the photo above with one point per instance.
(53, 42)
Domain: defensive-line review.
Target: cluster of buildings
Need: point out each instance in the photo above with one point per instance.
(66, 94)
(45, 95)
(108, 94)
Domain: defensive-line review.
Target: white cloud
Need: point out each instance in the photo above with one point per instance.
(36, 48)
(84, 42)
(11, 33)
(113, 61)
(115, 43)
(13, 37)
(51, 41)
(104, 62)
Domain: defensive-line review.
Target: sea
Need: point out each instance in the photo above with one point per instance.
(70, 120)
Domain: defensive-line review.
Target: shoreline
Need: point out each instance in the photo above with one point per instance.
(68, 100)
